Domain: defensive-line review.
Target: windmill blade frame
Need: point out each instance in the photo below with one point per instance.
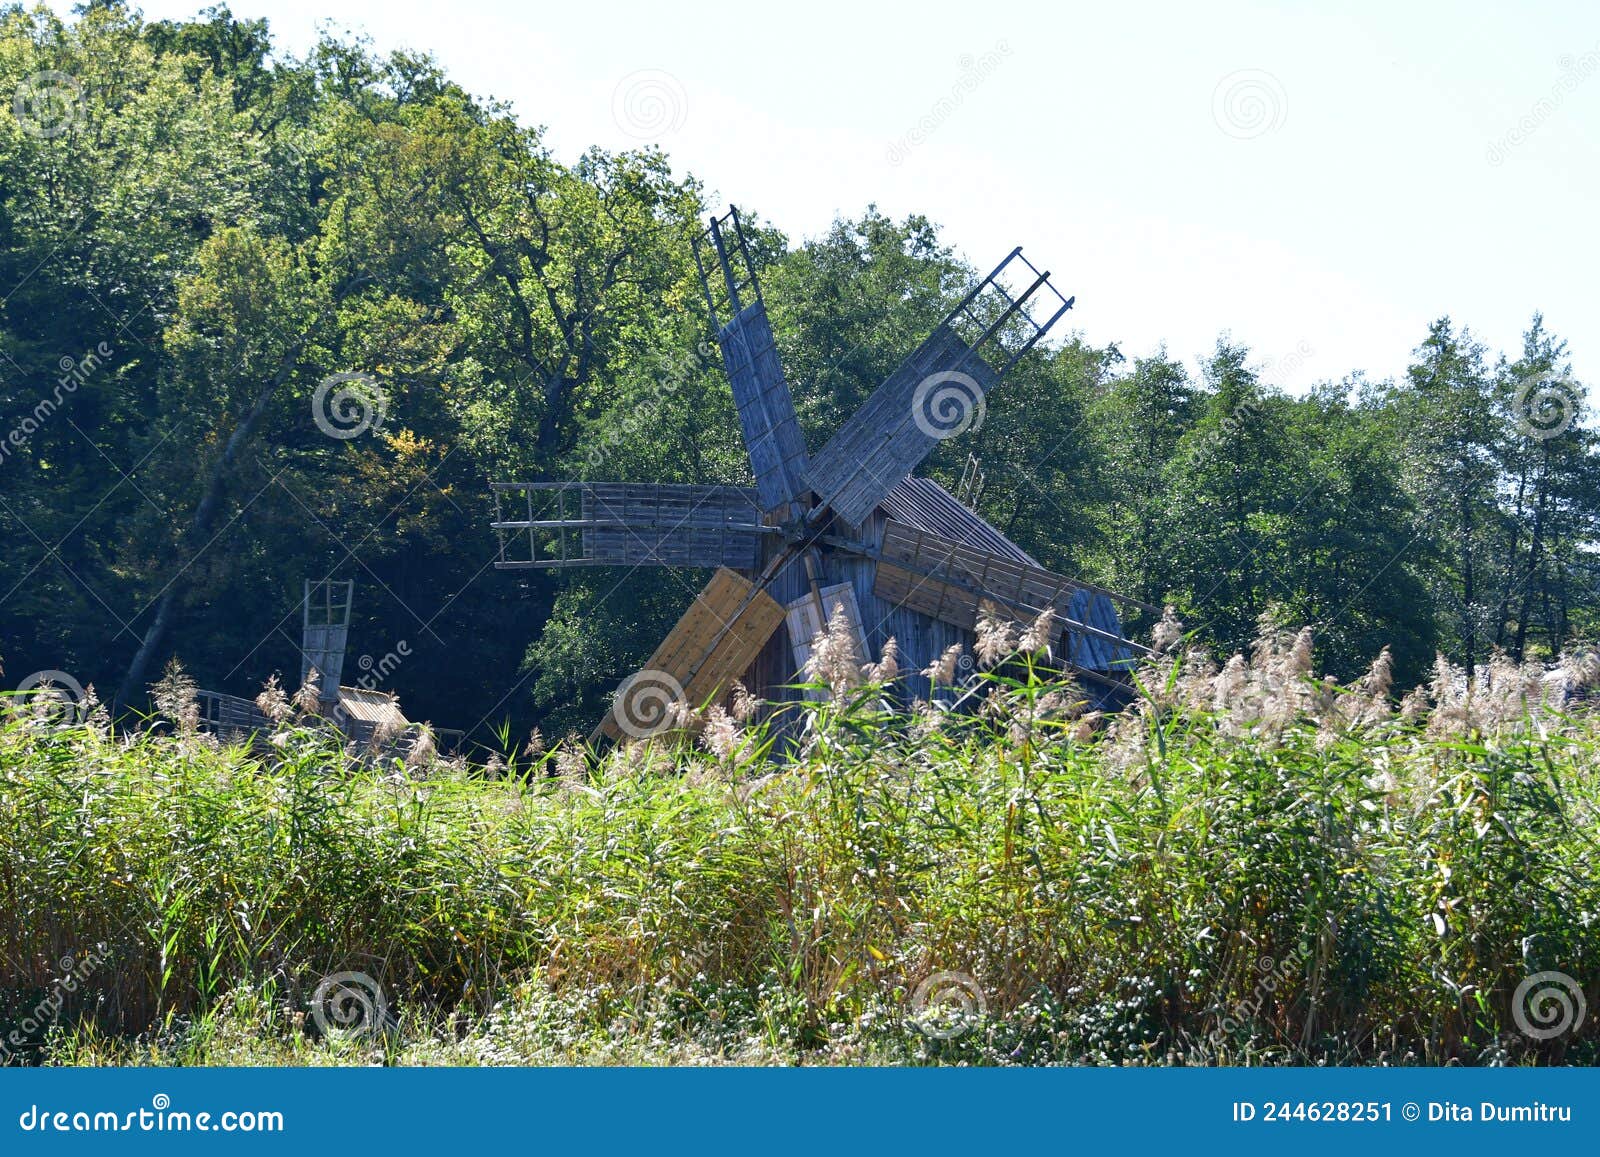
(325, 631)
(952, 582)
(709, 647)
(773, 440)
(937, 392)
(627, 524)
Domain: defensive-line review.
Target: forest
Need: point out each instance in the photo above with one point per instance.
(198, 234)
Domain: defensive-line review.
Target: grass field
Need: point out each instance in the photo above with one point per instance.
(1250, 866)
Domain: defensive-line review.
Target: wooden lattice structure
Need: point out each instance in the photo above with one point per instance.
(847, 532)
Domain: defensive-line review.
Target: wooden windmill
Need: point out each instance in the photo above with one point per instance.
(848, 531)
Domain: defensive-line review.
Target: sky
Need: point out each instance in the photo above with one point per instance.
(1319, 181)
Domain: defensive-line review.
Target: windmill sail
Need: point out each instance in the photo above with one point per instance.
(549, 525)
(772, 436)
(716, 639)
(938, 392)
(325, 629)
(949, 581)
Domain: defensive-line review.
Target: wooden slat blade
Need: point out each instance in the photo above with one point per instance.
(628, 524)
(936, 393)
(715, 641)
(772, 435)
(949, 581)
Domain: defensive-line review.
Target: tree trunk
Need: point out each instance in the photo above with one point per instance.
(204, 515)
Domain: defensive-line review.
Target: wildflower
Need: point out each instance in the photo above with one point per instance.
(721, 734)
(423, 749)
(997, 636)
(745, 705)
(834, 661)
(308, 700)
(1230, 684)
(571, 765)
(1165, 635)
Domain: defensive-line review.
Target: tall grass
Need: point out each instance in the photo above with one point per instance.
(1247, 866)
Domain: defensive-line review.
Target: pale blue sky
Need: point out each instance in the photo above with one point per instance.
(1321, 180)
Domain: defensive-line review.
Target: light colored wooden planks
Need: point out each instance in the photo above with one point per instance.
(805, 624)
(883, 442)
(717, 638)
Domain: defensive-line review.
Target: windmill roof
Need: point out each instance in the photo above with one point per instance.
(924, 504)
(372, 707)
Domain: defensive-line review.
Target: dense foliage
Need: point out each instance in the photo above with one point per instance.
(209, 230)
(1251, 864)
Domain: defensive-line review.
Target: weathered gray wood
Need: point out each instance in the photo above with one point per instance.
(772, 435)
(949, 581)
(325, 629)
(632, 524)
(883, 442)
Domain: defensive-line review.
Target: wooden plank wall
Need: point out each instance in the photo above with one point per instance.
(920, 639)
(882, 442)
(772, 436)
